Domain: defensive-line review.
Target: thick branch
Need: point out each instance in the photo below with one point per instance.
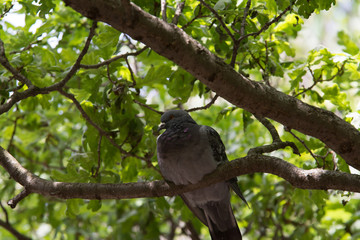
(173, 43)
(300, 178)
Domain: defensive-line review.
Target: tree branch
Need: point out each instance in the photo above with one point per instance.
(13, 231)
(236, 43)
(33, 90)
(76, 65)
(173, 43)
(14, 201)
(206, 106)
(100, 130)
(163, 10)
(147, 106)
(5, 212)
(300, 178)
(179, 8)
(277, 142)
(222, 23)
(268, 24)
(6, 11)
(6, 64)
(113, 59)
(243, 23)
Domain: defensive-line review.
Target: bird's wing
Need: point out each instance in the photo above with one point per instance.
(220, 157)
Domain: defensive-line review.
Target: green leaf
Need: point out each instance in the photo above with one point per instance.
(336, 97)
(181, 84)
(345, 40)
(80, 94)
(158, 74)
(291, 25)
(247, 119)
(94, 205)
(221, 4)
(73, 207)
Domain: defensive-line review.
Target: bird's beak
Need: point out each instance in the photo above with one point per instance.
(161, 126)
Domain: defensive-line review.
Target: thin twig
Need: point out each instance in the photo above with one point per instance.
(108, 74)
(15, 200)
(13, 134)
(7, 10)
(234, 53)
(147, 106)
(319, 79)
(193, 234)
(257, 60)
(5, 213)
(334, 159)
(82, 111)
(76, 66)
(100, 130)
(173, 227)
(206, 106)
(34, 162)
(98, 157)
(304, 144)
(107, 62)
(6, 64)
(32, 90)
(315, 81)
(198, 15)
(163, 10)
(13, 231)
(219, 19)
(243, 23)
(266, 72)
(270, 127)
(27, 47)
(131, 73)
(236, 44)
(268, 24)
(179, 8)
(273, 147)
(15, 89)
(276, 144)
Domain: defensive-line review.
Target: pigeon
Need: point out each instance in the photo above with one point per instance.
(187, 152)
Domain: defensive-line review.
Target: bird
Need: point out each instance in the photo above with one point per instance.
(186, 152)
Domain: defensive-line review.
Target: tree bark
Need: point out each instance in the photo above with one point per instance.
(300, 178)
(174, 44)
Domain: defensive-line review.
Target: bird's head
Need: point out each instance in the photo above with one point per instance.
(174, 117)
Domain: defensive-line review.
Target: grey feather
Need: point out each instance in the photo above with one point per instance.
(186, 153)
(219, 153)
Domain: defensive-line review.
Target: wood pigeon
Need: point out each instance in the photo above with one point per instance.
(186, 152)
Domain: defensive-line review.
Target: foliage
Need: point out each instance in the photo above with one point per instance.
(50, 136)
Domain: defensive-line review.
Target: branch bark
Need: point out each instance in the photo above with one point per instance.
(173, 43)
(13, 231)
(300, 178)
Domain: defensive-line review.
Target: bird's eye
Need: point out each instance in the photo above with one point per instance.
(171, 117)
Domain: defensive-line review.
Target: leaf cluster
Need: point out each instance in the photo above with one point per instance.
(122, 86)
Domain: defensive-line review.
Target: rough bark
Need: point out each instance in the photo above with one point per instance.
(300, 178)
(174, 44)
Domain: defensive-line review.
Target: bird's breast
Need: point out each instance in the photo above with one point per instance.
(183, 159)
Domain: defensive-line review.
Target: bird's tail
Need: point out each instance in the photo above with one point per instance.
(221, 222)
(230, 234)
